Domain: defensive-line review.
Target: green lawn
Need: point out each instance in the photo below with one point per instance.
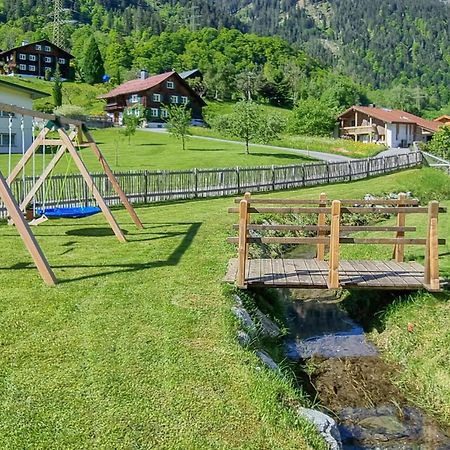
(160, 151)
(135, 348)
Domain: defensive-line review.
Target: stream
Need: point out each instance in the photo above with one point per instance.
(342, 370)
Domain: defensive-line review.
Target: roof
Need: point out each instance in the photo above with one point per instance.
(42, 41)
(140, 85)
(394, 116)
(442, 119)
(33, 92)
(189, 73)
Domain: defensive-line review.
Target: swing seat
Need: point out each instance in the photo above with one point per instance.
(69, 213)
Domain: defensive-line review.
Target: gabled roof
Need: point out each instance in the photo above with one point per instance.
(190, 73)
(442, 119)
(42, 42)
(394, 116)
(142, 85)
(34, 93)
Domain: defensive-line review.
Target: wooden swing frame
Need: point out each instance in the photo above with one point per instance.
(80, 137)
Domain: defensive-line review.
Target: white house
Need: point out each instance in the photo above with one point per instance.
(392, 127)
(11, 131)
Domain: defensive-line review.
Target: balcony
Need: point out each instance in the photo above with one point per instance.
(362, 129)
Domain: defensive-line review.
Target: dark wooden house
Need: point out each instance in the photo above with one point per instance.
(154, 94)
(35, 59)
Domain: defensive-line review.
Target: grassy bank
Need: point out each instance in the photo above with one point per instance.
(160, 151)
(135, 348)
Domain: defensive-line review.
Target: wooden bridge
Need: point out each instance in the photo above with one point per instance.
(330, 234)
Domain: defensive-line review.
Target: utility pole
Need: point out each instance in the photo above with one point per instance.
(194, 16)
(57, 23)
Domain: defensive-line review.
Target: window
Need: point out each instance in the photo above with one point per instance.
(32, 57)
(156, 97)
(4, 140)
(134, 98)
(170, 85)
(164, 113)
(48, 59)
(47, 48)
(32, 68)
(22, 66)
(61, 60)
(22, 56)
(154, 112)
(38, 47)
(184, 100)
(174, 99)
(6, 114)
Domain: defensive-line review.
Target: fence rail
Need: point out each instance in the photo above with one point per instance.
(156, 186)
(437, 162)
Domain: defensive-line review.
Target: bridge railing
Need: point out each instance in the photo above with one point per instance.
(329, 234)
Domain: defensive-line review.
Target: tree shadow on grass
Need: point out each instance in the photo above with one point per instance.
(292, 156)
(207, 150)
(112, 269)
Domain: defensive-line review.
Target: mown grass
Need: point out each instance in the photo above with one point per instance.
(135, 347)
(160, 151)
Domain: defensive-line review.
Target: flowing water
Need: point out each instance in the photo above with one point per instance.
(350, 381)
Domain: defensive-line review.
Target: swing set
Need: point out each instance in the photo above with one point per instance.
(67, 145)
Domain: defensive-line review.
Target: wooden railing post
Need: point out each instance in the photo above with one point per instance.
(399, 249)
(431, 276)
(243, 250)
(247, 196)
(320, 253)
(333, 274)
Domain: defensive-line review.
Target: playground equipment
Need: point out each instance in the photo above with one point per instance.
(67, 144)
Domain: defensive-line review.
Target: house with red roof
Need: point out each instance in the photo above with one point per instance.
(154, 94)
(391, 127)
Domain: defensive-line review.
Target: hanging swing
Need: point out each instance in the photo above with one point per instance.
(69, 212)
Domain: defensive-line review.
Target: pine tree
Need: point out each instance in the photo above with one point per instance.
(92, 63)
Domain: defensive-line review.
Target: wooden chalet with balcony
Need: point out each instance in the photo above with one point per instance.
(35, 60)
(154, 94)
(391, 127)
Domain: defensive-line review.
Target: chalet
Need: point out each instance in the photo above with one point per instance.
(444, 120)
(154, 94)
(11, 139)
(35, 59)
(391, 127)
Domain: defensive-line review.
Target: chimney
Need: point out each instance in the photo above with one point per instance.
(144, 74)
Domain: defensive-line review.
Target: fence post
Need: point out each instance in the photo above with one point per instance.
(409, 163)
(238, 180)
(86, 195)
(273, 177)
(320, 252)
(349, 171)
(368, 168)
(333, 274)
(195, 183)
(399, 249)
(328, 172)
(431, 275)
(384, 164)
(145, 186)
(303, 176)
(242, 251)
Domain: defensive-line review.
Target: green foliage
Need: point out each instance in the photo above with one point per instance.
(132, 117)
(92, 63)
(440, 143)
(312, 117)
(71, 111)
(178, 122)
(57, 88)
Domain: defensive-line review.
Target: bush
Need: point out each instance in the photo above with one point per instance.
(71, 111)
(440, 144)
(312, 117)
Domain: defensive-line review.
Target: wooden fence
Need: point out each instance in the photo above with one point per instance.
(161, 185)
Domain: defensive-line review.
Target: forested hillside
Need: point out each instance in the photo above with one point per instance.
(398, 46)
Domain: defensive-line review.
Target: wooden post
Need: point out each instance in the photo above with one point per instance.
(399, 249)
(91, 185)
(115, 184)
(431, 276)
(25, 233)
(247, 196)
(333, 275)
(243, 251)
(320, 253)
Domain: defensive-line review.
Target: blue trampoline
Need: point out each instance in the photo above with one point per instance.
(69, 213)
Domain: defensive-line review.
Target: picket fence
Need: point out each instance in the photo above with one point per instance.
(165, 185)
